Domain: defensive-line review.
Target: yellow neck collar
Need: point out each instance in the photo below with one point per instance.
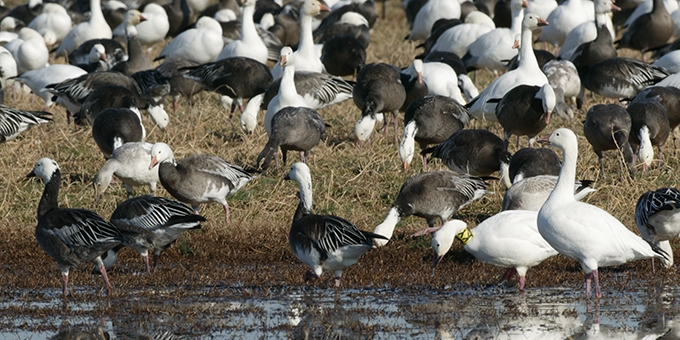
(464, 236)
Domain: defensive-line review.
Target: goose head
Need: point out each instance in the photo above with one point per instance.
(287, 57)
(97, 53)
(133, 17)
(44, 168)
(532, 21)
(49, 37)
(249, 115)
(468, 88)
(209, 24)
(161, 152)
(354, 19)
(564, 139)
(646, 150)
(248, 3)
(442, 239)
(517, 5)
(605, 6)
(100, 183)
(547, 96)
(313, 8)
(407, 145)
(159, 116)
(364, 127)
(225, 15)
(418, 69)
(300, 173)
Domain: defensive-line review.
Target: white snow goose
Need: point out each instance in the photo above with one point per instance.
(238, 78)
(8, 66)
(475, 152)
(525, 111)
(656, 216)
(149, 31)
(294, 129)
(649, 30)
(587, 31)
(619, 77)
(457, 38)
(129, 163)
(201, 44)
(509, 239)
(70, 236)
(440, 78)
(151, 223)
(607, 127)
(55, 18)
(115, 52)
(582, 231)
(430, 120)
(431, 12)
(249, 44)
(563, 19)
(378, 90)
(38, 79)
(324, 242)
(308, 59)
(563, 77)
(531, 162)
(114, 127)
(490, 49)
(137, 59)
(649, 128)
(530, 193)
(198, 179)
(431, 195)
(95, 28)
(29, 50)
(527, 73)
(14, 121)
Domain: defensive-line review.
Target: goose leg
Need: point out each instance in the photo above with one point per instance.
(338, 276)
(303, 156)
(522, 282)
(395, 123)
(596, 278)
(146, 263)
(102, 269)
(601, 160)
(509, 273)
(64, 279)
(588, 279)
(424, 163)
(226, 211)
(156, 257)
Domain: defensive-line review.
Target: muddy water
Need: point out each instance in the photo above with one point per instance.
(491, 312)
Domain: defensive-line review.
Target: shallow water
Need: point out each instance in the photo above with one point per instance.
(220, 312)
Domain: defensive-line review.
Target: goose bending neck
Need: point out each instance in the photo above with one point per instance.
(387, 227)
(48, 201)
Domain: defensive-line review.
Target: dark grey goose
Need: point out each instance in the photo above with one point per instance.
(108, 96)
(137, 59)
(607, 127)
(525, 111)
(324, 242)
(649, 128)
(179, 85)
(430, 120)
(619, 77)
(530, 162)
(293, 129)
(649, 30)
(669, 97)
(114, 127)
(198, 179)
(70, 236)
(431, 195)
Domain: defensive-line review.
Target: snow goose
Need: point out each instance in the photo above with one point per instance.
(562, 75)
(151, 30)
(114, 13)
(137, 59)
(343, 56)
(415, 86)
(70, 236)
(607, 128)
(619, 77)
(306, 55)
(38, 79)
(237, 78)
(130, 163)
(476, 152)
(531, 162)
(249, 44)
(669, 61)
(431, 12)
(525, 111)
(490, 49)
(530, 193)
(201, 44)
(179, 17)
(656, 216)
(198, 179)
(8, 66)
(350, 24)
(509, 239)
(26, 12)
(107, 96)
(14, 121)
(151, 223)
(55, 18)
(29, 50)
(542, 8)
(430, 195)
(95, 28)
(378, 90)
(649, 128)
(323, 242)
(292, 128)
(115, 52)
(584, 232)
(649, 30)
(98, 61)
(438, 29)
(180, 85)
(430, 120)
(114, 127)
(440, 78)
(287, 94)
(669, 97)
(596, 50)
(527, 73)
(587, 31)
(645, 6)
(564, 19)
(457, 38)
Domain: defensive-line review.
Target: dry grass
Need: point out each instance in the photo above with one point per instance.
(357, 184)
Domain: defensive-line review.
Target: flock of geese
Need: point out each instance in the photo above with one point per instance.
(314, 44)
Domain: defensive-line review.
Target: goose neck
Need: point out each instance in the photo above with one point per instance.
(387, 227)
(306, 46)
(565, 182)
(527, 58)
(287, 87)
(306, 200)
(248, 30)
(516, 25)
(96, 9)
(48, 201)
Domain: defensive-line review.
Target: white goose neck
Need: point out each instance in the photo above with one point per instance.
(516, 25)
(306, 194)
(287, 87)
(96, 9)
(306, 46)
(387, 227)
(527, 58)
(564, 189)
(248, 30)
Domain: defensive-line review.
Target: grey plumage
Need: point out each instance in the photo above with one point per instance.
(607, 128)
(14, 121)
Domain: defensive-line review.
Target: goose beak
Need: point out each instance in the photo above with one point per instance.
(31, 174)
(543, 141)
(542, 22)
(287, 177)
(547, 118)
(420, 77)
(142, 18)
(615, 8)
(103, 57)
(406, 165)
(154, 161)
(525, 4)
(515, 44)
(435, 262)
(283, 60)
(324, 8)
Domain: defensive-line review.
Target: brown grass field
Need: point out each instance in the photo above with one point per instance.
(356, 184)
